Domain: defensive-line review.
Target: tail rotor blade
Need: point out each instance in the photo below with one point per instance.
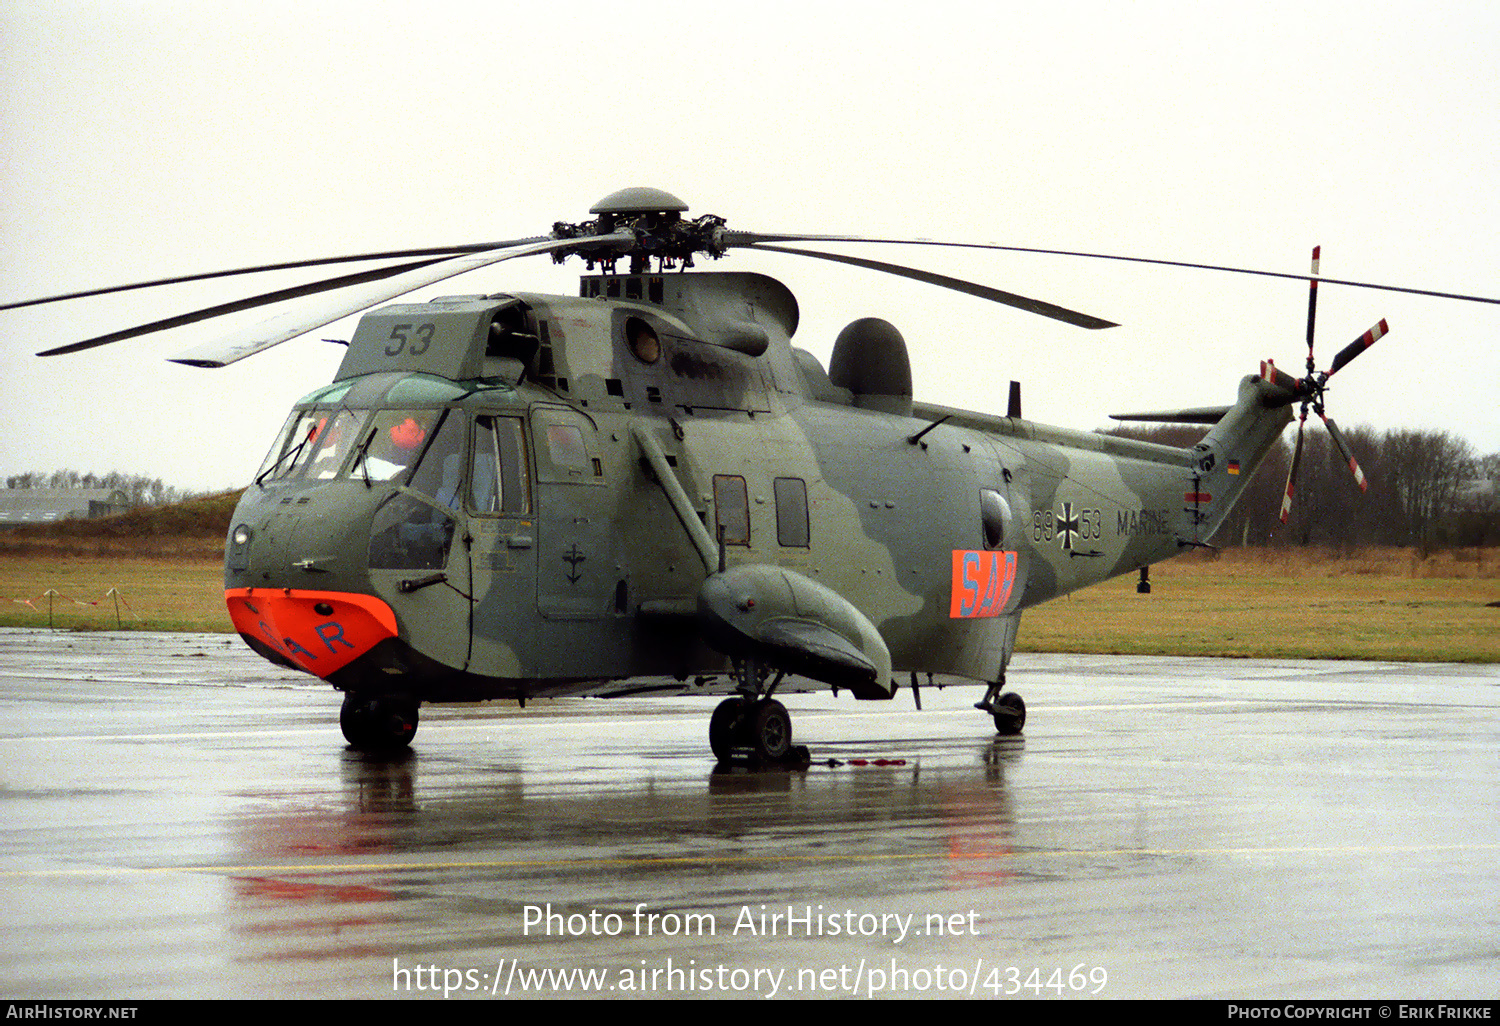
(1358, 346)
(1278, 377)
(1291, 478)
(1312, 305)
(1348, 453)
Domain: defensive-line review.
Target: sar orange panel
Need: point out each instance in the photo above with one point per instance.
(320, 631)
(982, 582)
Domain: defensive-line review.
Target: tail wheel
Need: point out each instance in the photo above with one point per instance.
(1010, 714)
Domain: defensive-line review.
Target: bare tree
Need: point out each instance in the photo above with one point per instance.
(139, 490)
(1478, 519)
(1420, 482)
(1426, 471)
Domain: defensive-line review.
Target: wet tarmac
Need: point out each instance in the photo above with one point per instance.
(181, 819)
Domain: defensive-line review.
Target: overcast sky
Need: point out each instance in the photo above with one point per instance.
(145, 139)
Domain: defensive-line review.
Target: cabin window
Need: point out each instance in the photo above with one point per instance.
(567, 447)
(498, 480)
(791, 513)
(643, 341)
(994, 511)
(731, 509)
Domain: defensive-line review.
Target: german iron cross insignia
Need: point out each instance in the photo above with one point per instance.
(1067, 527)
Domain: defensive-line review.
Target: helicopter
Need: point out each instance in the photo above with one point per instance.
(646, 487)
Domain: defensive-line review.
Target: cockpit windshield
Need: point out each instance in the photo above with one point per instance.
(395, 441)
(427, 451)
(313, 443)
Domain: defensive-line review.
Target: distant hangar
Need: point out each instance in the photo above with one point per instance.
(22, 506)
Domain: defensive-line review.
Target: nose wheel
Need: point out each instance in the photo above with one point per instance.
(378, 723)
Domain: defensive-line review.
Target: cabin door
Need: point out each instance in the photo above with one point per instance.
(577, 578)
(502, 528)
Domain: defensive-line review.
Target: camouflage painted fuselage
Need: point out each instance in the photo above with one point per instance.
(531, 494)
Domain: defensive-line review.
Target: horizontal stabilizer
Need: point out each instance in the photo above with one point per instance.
(1202, 415)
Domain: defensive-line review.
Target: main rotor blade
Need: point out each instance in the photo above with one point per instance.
(207, 313)
(1036, 306)
(1358, 346)
(435, 251)
(278, 329)
(738, 238)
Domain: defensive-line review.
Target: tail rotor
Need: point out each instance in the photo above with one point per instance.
(1309, 390)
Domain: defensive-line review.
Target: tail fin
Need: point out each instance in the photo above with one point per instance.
(1226, 459)
(1232, 450)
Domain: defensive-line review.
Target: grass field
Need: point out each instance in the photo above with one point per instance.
(1300, 603)
(1381, 604)
(181, 593)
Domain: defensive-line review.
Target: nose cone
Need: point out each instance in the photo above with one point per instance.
(296, 576)
(314, 537)
(320, 632)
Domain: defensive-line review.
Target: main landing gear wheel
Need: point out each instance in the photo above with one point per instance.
(378, 723)
(1010, 714)
(771, 731)
(723, 727)
(742, 729)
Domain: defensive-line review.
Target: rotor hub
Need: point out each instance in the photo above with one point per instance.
(639, 199)
(654, 217)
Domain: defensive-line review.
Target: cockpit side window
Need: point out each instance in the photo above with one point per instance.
(440, 473)
(498, 479)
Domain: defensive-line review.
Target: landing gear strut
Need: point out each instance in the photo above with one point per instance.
(752, 726)
(1008, 710)
(378, 723)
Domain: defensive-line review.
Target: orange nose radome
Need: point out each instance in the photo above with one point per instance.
(319, 631)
